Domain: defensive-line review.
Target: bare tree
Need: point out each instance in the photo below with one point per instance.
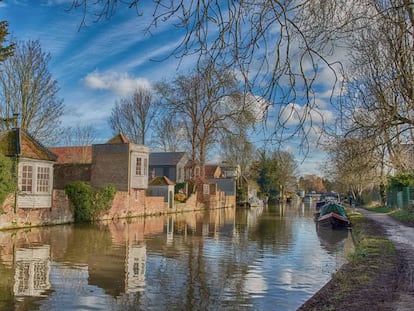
(169, 134)
(236, 149)
(263, 40)
(133, 115)
(379, 74)
(79, 135)
(354, 165)
(205, 102)
(283, 50)
(27, 88)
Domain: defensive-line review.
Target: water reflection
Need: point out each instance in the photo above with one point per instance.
(32, 268)
(248, 259)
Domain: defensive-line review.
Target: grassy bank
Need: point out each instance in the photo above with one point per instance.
(368, 280)
(405, 216)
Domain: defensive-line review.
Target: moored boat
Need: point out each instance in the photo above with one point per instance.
(333, 215)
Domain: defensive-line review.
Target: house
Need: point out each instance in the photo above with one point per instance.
(230, 171)
(162, 186)
(169, 164)
(212, 171)
(34, 169)
(121, 163)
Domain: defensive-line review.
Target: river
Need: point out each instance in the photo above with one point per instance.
(270, 258)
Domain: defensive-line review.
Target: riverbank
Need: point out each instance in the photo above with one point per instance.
(372, 279)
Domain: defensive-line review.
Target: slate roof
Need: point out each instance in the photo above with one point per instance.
(165, 158)
(17, 142)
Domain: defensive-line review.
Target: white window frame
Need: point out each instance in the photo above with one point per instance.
(138, 166)
(43, 179)
(26, 182)
(206, 189)
(35, 178)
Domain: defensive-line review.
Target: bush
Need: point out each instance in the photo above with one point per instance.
(180, 197)
(7, 183)
(88, 201)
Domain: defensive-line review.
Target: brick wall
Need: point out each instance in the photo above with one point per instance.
(125, 205)
(66, 173)
(60, 213)
(110, 166)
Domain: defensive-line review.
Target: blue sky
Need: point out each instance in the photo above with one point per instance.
(103, 62)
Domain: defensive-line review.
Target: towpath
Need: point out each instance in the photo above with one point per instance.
(402, 237)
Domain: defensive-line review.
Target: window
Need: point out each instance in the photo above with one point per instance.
(141, 167)
(206, 189)
(43, 179)
(138, 167)
(27, 178)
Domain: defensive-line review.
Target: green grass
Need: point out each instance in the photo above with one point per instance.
(381, 209)
(403, 215)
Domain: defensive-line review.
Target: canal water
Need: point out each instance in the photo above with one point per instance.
(271, 258)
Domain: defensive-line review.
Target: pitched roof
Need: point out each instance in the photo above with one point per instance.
(119, 138)
(212, 171)
(73, 154)
(165, 158)
(161, 181)
(17, 142)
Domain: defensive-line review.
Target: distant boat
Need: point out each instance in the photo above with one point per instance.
(333, 215)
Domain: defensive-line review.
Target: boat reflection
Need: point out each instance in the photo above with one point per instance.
(332, 240)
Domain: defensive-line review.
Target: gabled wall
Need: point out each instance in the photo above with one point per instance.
(110, 165)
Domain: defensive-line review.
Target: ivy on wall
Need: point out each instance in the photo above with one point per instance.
(7, 182)
(89, 202)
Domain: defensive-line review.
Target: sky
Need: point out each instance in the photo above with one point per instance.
(100, 63)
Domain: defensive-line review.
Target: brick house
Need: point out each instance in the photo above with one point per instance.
(121, 163)
(34, 168)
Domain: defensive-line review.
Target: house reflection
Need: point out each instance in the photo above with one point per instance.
(32, 270)
(136, 264)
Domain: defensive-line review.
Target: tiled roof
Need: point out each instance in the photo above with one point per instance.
(165, 158)
(73, 154)
(17, 142)
(161, 181)
(119, 138)
(211, 170)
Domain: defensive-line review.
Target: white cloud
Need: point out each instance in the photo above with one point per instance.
(295, 114)
(118, 83)
(258, 106)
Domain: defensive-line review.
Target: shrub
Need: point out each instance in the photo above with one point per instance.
(180, 187)
(88, 201)
(180, 197)
(7, 182)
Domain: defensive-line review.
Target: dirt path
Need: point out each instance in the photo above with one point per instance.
(403, 239)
